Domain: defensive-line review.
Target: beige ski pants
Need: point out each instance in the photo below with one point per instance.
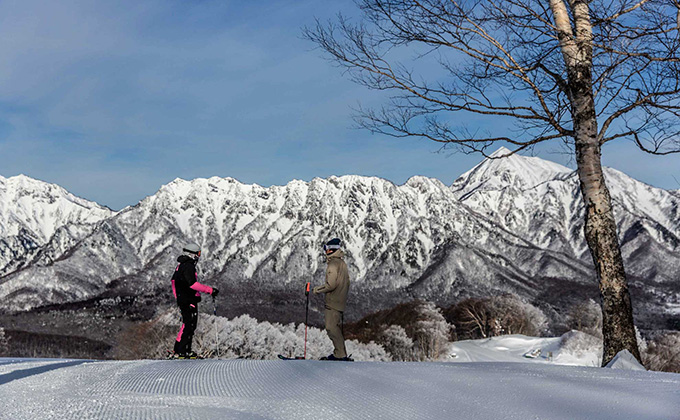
(334, 330)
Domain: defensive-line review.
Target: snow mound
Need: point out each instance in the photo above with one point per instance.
(625, 360)
(514, 348)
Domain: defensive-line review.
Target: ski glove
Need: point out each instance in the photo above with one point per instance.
(317, 290)
(215, 292)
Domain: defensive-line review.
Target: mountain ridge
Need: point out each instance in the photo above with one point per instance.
(494, 233)
(35, 213)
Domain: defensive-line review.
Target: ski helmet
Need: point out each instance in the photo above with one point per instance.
(192, 248)
(333, 244)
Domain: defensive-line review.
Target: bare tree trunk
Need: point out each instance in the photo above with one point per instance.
(600, 230)
(600, 227)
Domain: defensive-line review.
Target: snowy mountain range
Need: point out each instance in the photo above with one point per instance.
(508, 225)
(40, 221)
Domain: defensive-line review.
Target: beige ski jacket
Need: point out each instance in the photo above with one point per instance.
(337, 282)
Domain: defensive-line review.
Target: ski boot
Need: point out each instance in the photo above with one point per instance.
(184, 356)
(190, 355)
(331, 357)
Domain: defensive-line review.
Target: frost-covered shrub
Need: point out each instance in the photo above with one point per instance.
(586, 317)
(581, 346)
(367, 351)
(431, 332)
(663, 353)
(395, 340)
(245, 337)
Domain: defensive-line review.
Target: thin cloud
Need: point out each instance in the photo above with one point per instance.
(112, 99)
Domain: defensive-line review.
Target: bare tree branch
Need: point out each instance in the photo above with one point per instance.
(586, 72)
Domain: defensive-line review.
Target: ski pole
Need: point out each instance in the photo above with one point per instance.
(217, 337)
(306, 318)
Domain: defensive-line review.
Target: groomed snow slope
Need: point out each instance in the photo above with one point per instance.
(266, 389)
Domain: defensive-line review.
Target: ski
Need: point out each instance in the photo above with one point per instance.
(344, 359)
(282, 357)
(171, 355)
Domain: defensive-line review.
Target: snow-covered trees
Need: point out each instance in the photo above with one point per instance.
(471, 318)
(431, 332)
(663, 353)
(245, 337)
(415, 330)
(519, 317)
(4, 345)
(240, 337)
(419, 330)
(586, 317)
(496, 315)
(395, 340)
(581, 346)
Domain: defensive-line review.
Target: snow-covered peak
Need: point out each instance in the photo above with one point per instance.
(541, 202)
(41, 208)
(334, 188)
(501, 152)
(424, 183)
(513, 171)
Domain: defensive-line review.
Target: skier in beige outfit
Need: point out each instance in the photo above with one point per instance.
(335, 288)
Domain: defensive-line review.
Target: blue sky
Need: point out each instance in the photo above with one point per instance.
(113, 99)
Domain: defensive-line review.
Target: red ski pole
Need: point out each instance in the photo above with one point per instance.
(306, 317)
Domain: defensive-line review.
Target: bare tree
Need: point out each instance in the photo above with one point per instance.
(663, 353)
(587, 317)
(583, 72)
(145, 340)
(514, 316)
(472, 318)
(496, 315)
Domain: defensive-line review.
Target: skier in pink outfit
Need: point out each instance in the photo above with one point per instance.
(187, 291)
